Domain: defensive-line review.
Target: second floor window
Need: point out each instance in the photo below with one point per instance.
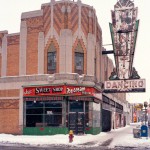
(79, 63)
(51, 62)
(51, 59)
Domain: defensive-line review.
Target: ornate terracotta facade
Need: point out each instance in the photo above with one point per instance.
(65, 25)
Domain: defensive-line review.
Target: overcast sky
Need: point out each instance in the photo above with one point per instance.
(10, 14)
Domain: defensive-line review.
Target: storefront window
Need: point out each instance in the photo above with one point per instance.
(53, 113)
(43, 113)
(76, 106)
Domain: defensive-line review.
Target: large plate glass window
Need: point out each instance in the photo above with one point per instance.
(43, 113)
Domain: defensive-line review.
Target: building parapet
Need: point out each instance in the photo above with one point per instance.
(13, 34)
(32, 14)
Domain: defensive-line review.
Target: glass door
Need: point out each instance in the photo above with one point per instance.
(77, 117)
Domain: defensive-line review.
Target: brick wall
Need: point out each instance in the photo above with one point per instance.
(9, 116)
(0, 64)
(9, 93)
(34, 26)
(13, 55)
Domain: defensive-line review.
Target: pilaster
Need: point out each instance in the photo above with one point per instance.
(4, 56)
(21, 110)
(52, 17)
(23, 46)
(65, 56)
(79, 20)
(41, 53)
(90, 54)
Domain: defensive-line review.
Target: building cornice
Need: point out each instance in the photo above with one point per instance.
(32, 14)
(26, 78)
(13, 34)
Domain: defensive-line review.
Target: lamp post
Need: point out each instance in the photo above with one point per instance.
(145, 105)
(148, 113)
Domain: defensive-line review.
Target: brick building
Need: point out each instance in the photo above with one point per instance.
(51, 72)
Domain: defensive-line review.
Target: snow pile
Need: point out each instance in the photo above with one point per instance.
(47, 140)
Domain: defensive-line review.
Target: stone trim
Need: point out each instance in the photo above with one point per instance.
(72, 78)
(56, 45)
(46, 79)
(9, 98)
(41, 53)
(75, 36)
(49, 35)
(21, 110)
(32, 14)
(4, 56)
(23, 46)
(72, 2)
(4, 32)
(52, 19)
(24, 78)
(45, 4)
(13, 34)
(79, 20)
(65, 53)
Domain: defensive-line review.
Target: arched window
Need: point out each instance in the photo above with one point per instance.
(79, 59)
(51, 59)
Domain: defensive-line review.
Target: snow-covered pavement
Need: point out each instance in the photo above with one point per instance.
(118, 137)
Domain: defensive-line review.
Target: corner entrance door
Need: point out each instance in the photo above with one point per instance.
(77, 117)
(76, 122)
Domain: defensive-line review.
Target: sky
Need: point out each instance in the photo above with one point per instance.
(10, 15)
(121, 137)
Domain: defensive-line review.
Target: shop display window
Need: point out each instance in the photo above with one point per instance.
(76, 106)
(43, 113)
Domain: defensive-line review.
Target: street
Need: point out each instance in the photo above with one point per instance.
(119, 139)
(52, 147)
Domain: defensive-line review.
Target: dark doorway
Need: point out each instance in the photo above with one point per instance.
(76, 122)
(106, 120)
(77, 117)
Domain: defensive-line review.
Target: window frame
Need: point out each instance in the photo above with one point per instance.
(48, 118)
(53, 58)
(79, 55)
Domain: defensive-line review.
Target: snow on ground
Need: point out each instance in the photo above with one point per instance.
(127, 139)
(120, 137)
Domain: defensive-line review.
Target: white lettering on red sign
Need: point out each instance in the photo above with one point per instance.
(75, 90)
(42, 90)
(27, 92)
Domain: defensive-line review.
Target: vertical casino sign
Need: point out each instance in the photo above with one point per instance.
(124, 29)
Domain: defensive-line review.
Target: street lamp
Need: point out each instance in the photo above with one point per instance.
(145, 105)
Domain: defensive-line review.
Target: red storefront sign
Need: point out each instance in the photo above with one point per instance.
(43, 90)
(76, 90)
(58, 90)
